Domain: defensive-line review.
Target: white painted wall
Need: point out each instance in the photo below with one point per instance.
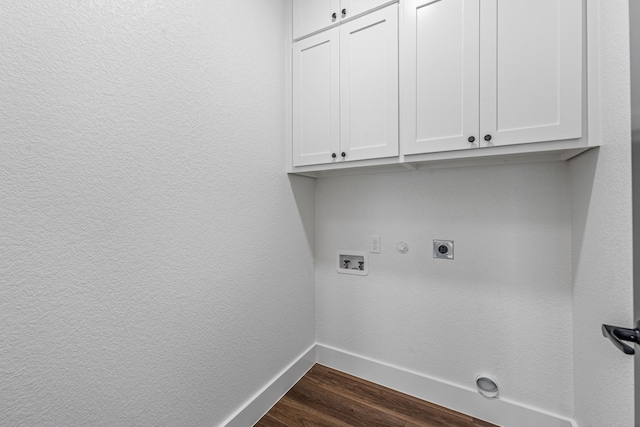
(634, 47)
(502, 307)
(634, 29)
(156, 264)
(602, 214)
(567, 267)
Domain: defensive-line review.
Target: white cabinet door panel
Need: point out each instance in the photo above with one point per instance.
(440, 84)
(369, 85)
(316, 98)
(357, 7)
(531, 59)
(313, 15)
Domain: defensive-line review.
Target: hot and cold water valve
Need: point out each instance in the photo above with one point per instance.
(353, 262)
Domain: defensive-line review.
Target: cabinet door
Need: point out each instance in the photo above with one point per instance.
(313, 15)
(531, 78)
(357, 7)
(369, 85)
(440, 75)
(316, 98)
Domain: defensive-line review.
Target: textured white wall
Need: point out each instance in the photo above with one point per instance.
(156, 264)
(634, 28)
(502, 307)
(602, 235)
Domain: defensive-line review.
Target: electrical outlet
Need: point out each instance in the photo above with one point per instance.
(374, 244)
(443, 249)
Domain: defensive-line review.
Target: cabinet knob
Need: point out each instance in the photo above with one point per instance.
(344, 12)
(334, 155)
(334, 16)
(487, 137)
(343, 154)
(472, 139)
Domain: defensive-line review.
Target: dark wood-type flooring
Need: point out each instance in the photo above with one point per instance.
(325, 398)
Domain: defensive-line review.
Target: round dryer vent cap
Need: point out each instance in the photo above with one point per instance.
(487, 387)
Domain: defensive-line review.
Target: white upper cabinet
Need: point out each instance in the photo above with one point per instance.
(310, 16)
(316, 98)
(369, 86)
(352, 8)
(479, 73)
(531, 70)
(345, 91)
(440, 80)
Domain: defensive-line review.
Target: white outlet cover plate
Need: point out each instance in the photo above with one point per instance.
(374, 244)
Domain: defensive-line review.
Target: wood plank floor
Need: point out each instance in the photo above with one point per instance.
(325, 397)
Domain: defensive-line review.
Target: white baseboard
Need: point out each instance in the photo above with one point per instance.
(262, 401)
(464, 400)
